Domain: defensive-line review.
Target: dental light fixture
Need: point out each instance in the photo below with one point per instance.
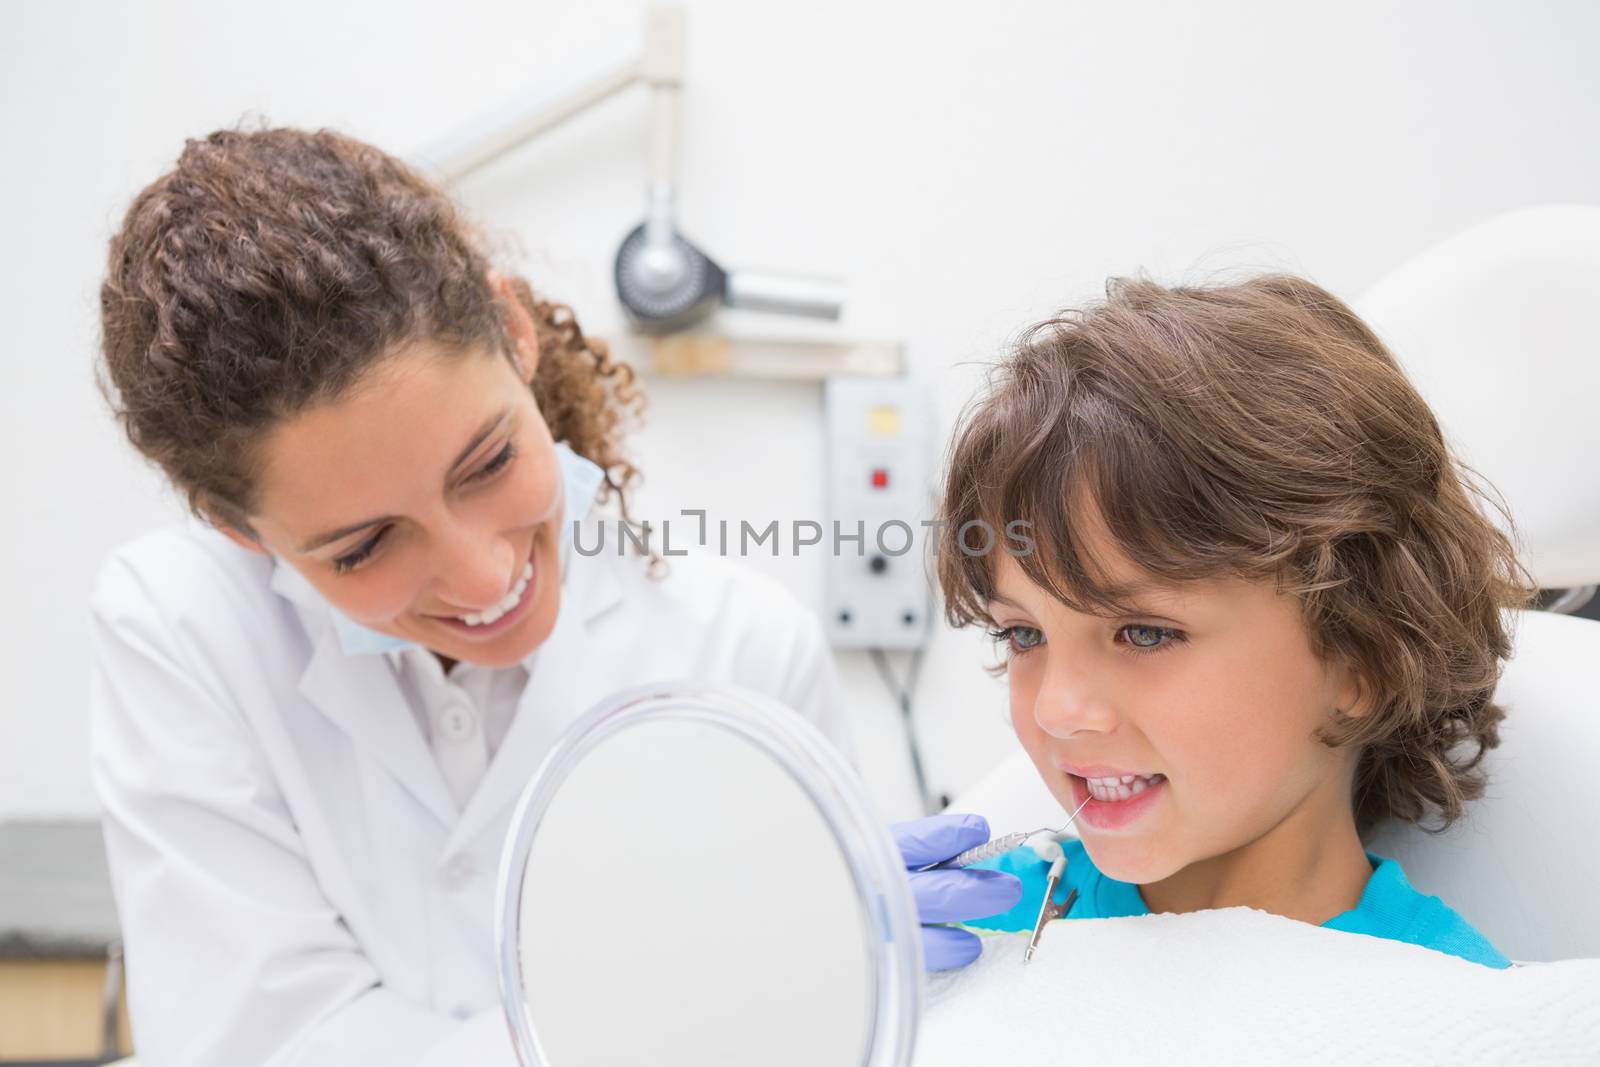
(663, 280)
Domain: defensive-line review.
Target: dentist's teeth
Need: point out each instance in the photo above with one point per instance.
(484, 618)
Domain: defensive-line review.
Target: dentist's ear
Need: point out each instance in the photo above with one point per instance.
(518, 323)
(243, 540)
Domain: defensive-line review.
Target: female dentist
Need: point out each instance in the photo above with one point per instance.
(315, 703)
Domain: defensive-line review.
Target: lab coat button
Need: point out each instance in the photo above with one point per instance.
(457, 723)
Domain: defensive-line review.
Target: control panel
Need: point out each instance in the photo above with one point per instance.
(879, 495)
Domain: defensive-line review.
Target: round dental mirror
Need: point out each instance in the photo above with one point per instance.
(695, 877)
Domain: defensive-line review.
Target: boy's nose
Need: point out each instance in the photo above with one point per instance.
(1067, 704)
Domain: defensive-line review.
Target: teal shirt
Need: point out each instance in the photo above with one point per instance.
(1389, 907)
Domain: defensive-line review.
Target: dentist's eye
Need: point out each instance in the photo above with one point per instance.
(497, 464)
(1019, 638)
(1149, 638)
(350, 561)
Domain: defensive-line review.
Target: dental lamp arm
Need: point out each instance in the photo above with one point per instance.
(662, 69)
(817, 298)
(492, 135)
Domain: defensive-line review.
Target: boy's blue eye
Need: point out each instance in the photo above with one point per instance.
(1149, 638)
(1019, 638)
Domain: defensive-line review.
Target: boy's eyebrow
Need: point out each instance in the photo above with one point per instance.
(1127, 592)
(1122, 594)
(478, 438)
(1136, 590)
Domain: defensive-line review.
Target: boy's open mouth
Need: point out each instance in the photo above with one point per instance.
(1113, 800)
(1113, 790)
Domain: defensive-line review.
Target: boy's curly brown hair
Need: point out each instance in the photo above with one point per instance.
(1262, 431)
(271, 269)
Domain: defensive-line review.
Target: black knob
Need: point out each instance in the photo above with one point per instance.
(877, 564)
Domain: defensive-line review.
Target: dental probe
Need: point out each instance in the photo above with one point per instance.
(999, 845)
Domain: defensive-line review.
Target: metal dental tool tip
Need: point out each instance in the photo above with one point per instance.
(1051, 911)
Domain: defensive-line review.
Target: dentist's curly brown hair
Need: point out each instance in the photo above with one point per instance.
(272, 269)
(1259, 431)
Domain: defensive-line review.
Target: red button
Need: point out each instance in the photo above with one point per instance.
(880, 479)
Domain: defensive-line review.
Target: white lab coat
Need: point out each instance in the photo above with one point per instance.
(295, 883)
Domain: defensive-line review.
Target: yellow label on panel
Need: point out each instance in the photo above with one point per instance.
(883, 422)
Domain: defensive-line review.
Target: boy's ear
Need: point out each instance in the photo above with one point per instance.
(1354, 693)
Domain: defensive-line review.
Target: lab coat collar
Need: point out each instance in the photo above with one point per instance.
(362, 696)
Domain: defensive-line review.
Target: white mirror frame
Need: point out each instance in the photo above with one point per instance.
(888, 912)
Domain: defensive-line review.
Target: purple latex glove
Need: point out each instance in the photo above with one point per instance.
(952, 895)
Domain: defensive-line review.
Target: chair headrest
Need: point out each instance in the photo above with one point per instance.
(1496, 327)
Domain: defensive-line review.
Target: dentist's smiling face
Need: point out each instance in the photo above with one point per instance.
(1210, 696)
(425, 504)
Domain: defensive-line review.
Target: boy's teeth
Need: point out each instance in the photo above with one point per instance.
(483, 618)
(1125, 787)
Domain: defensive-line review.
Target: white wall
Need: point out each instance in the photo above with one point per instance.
(966, 173)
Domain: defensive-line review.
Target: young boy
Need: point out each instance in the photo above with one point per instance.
(1257, 608)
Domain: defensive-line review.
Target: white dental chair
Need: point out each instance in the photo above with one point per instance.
(1495, 328)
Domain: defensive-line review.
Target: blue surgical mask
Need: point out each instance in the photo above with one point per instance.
(580, 481)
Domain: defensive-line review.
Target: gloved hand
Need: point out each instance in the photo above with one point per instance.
(951, 895)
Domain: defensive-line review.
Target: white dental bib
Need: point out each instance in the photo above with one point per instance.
(1239, 986)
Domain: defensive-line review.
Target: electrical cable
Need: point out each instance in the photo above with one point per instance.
(903, 697)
